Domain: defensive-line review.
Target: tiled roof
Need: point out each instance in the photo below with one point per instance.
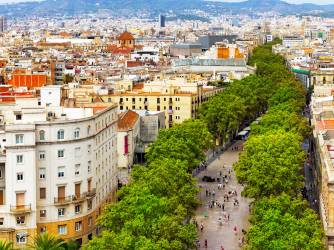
(125, 36)
(325, 124)
(127, 120)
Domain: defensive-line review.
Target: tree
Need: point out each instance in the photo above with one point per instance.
(283, 222)
(46, 241)
(6, 245)
(270, 164)
(282, 119)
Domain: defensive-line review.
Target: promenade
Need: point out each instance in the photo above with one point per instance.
(215, 233)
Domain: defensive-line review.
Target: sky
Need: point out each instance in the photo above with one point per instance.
(290, 1)
(294, 1)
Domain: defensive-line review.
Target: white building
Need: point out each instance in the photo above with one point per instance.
(58, 166)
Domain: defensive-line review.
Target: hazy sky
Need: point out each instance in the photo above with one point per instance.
(294, 1)
(290, 1)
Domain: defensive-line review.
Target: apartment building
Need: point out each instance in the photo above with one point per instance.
(322, 108)
(58, 167)
(177, 98)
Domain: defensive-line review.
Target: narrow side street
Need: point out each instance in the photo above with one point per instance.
(222, 233)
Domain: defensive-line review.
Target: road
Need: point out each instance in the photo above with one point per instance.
(222, 235)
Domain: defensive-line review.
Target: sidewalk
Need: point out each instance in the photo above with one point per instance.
(222, 235)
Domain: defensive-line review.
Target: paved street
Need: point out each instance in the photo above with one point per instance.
(222, 235)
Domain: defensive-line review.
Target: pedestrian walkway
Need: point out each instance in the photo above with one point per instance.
(222, 234)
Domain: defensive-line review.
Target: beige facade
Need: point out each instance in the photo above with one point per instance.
(179, 100)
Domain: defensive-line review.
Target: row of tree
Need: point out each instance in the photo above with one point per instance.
(270, 167)
(154, 209)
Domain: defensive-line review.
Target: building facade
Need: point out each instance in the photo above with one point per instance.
(58, 167)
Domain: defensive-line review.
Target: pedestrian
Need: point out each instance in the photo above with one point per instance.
(206, 193)
(198, 244)
(220, 173)
(220, 221)
(202, 227)
(223, 206)
(221, 248)
(235, 230)
(228, 217)
(240, 242)
(213, 194)
(206, 243)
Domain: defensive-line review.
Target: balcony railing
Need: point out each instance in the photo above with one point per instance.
(20, 208)
(91, 193)
(63, 200)
(79, 198)
(75, 198)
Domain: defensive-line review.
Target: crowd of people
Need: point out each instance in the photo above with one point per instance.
(219, 196)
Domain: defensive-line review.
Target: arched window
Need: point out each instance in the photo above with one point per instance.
(42, 135)
(88, 130)
(77, 133)
(60, 134)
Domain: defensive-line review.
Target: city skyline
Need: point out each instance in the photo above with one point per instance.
(320, 2)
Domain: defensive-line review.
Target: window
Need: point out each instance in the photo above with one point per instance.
(77, 209)
(77, 169)
(42, 135)
(126, 144)
(77, 152)
(42, 193)
(2, 221)
(19, 159)
(88, 130)
(61, 153)
(62, 229)
(89, 148)
(60, 134)
(78, 226)
(76, 133)
(61, 172)
(20, 220)
(18, 117)
(42, 173)
(21, 238)
(90, 221)
(42, 229)
(42, 213)
(61, 212)
(89, 204)
(19, 176)
(19, 139)
(89, 166)
(42, 155)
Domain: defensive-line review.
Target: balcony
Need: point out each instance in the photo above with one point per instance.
(63, 200)
(20, 209)
(79, 198)
(91, 193)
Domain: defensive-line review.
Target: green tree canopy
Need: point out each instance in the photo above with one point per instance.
(270, 164)
(284, 223)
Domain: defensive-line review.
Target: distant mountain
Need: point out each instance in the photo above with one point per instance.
(135, 7)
